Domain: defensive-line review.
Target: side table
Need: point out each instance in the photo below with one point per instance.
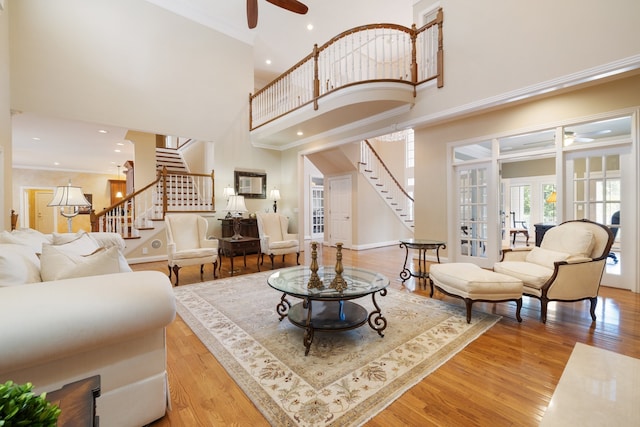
(231, 248)
(77, 402)
(421, 245)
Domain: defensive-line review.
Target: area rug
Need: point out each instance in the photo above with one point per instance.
(347, 377)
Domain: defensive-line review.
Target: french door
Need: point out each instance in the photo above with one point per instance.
(600, 187)
(476, 217)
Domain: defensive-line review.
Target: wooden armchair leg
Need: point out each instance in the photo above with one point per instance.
(543, 309)
(215, 267)
(175, 271)
(594, 301)
(271, 256)
(298, 258)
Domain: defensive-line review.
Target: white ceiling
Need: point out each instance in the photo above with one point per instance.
(280, 36)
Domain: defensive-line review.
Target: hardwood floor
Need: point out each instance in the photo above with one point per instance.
(506, 377)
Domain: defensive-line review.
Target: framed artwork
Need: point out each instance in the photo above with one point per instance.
(86, 210)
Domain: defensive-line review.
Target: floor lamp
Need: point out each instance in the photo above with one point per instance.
(67, 196)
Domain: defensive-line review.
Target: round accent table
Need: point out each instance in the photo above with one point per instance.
(422, 246)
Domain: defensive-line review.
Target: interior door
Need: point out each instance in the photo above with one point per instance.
(340, 211)
(477, 219)
(599, 185)
(43, 213)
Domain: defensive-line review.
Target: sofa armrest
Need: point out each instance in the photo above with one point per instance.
(52, 320)
(209, 243)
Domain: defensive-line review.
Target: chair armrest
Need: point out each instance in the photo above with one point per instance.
(264, 243)
(515, 254)
(288, 236)
(171, 249)
(206, 243)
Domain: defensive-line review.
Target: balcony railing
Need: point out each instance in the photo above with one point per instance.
(370, 53)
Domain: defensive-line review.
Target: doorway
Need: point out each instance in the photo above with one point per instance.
(340, 211)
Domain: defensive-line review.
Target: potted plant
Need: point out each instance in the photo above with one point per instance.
(19, 406)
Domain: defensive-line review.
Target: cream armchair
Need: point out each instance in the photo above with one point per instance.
(274, 237)
(568, 265)
(187, 243)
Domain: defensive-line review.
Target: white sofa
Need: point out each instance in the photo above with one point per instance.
(113, 325)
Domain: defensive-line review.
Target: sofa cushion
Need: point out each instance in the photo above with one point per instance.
(26, 236)
(574, 240)
(19, 264)
(546, 257)
(56, 264)
(532, 275)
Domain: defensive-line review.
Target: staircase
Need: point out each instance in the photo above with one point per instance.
(385, 184)
(174, 190)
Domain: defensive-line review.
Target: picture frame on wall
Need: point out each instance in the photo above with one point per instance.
(86, 210)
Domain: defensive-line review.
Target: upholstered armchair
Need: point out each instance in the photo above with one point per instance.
(274, 237)
(187, 243)
(568, 265)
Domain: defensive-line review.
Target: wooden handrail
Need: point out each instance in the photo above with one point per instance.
(388, 171)
(271, 99)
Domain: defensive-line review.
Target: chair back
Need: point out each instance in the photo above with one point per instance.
(185, 230)
(581, 238)
(272, 225)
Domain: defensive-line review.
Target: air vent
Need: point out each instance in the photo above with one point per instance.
(156, 244)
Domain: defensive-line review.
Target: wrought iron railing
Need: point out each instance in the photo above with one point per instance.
(170, 192)
(365, 54)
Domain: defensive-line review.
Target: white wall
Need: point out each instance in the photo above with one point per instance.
(5, 122)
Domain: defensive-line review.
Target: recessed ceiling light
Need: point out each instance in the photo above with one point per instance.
(120, 143)
(35, 138)
(102, 131)
(56, 163)
(309, 26)
(268, 62)
(116, 150)
(300, 133)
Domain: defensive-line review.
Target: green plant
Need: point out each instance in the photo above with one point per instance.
(19, 406)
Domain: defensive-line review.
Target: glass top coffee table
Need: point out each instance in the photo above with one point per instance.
(327, 309)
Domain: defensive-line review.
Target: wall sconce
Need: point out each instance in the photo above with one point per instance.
(275, 196)
(236, 206)
(68, 196)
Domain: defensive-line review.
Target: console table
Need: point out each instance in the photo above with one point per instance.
(231, 248)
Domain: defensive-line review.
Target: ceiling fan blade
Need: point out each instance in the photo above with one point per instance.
(252, 13)
(291, 5)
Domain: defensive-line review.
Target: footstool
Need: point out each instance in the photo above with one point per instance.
(472, 283)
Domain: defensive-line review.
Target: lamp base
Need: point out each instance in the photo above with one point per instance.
(236, 229)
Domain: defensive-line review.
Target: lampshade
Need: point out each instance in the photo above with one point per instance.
(228, 191)
(551, 198)
(236, 204)
(274, 194)
(69, 195)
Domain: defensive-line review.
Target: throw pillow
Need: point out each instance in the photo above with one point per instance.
(57, 265)
(546, 257)
(80, 244)
(25, 236)
(18, 265)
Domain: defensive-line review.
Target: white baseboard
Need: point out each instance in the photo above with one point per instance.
(141, 260)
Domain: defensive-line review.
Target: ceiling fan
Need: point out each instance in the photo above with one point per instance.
(290, 5)
(571, 137)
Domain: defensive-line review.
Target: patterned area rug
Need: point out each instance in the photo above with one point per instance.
(349, 376)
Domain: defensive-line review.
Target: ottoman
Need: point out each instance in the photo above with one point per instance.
(472, 283)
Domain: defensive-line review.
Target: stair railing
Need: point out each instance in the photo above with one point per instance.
(365, 54)
(170, 192)
(385, 183)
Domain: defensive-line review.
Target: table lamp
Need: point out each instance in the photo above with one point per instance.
(67, 196)
(275, 196)
(236, 207)
(228, 192)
